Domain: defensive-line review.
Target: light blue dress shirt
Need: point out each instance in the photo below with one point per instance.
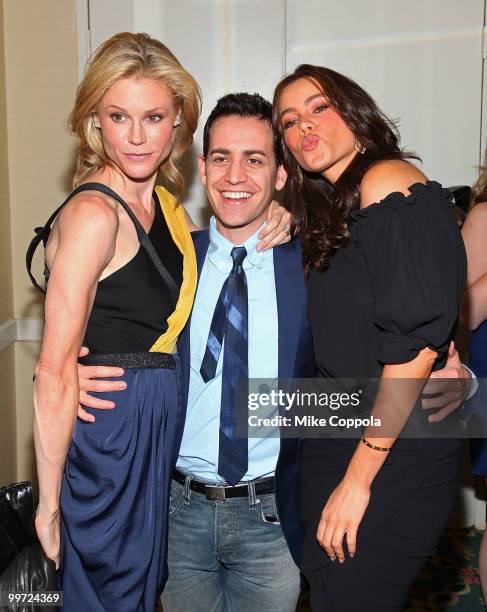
(199, 448)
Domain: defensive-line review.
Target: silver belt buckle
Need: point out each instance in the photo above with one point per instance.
(215, 493)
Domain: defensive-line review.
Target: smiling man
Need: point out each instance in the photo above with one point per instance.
(239, 171)
(233, 524)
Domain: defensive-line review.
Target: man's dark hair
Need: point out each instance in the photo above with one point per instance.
(241, 105)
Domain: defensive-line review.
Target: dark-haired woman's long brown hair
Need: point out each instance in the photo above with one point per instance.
(320, 210)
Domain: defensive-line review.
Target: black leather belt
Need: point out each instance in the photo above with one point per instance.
(263, 486)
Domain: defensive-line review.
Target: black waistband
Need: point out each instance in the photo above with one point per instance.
(263, 486)
(130, 360)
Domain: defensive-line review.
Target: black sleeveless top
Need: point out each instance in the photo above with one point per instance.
(132, 304)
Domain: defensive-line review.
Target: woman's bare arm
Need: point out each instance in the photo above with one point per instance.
(85, 245)
(474, 231)
(347, 504)
(474, 305)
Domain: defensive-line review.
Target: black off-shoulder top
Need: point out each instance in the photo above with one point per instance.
(394, 290)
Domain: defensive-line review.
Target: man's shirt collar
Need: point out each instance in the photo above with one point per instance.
(219, 250)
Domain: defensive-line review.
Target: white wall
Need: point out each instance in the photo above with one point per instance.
(420, 59)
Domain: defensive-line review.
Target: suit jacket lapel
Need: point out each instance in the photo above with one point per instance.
(288, 274)
(201, 242)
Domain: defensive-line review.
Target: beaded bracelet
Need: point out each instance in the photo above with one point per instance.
(383, 449)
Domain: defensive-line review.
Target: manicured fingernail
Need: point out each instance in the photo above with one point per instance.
(119, 372)
(123, 385)
(341, 560)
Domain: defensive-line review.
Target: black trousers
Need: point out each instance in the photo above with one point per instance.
(390, 555)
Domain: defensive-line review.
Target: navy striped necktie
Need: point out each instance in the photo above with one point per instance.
(230, 323)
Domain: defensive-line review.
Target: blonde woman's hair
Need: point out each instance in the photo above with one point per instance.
(133, 55)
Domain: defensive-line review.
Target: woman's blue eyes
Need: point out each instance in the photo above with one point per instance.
(118, 117)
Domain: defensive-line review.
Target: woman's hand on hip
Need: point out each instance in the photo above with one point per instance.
(341, 517)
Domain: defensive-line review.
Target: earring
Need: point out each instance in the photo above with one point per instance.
(359, 147)
(177, 124)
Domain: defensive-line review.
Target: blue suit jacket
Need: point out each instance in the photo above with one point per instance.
(295, 360)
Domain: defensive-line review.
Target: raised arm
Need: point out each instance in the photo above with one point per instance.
(84, 240)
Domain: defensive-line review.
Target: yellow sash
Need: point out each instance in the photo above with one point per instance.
(174, 214)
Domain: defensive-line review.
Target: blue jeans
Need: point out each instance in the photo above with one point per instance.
(227, 556)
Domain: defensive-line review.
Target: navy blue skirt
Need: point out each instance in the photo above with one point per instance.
(478, 363)
(114, 497)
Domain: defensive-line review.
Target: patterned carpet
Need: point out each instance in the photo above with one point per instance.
(450, 581)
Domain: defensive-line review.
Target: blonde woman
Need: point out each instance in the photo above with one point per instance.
(122, 276)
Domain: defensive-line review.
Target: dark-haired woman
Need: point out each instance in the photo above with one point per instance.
(386, 268)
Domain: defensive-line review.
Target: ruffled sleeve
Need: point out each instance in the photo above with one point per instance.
(417, 263)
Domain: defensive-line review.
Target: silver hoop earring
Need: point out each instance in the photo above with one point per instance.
(359, 147)
(177, 124)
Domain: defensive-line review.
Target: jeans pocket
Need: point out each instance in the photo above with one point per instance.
(268, 509)
(175, 499)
